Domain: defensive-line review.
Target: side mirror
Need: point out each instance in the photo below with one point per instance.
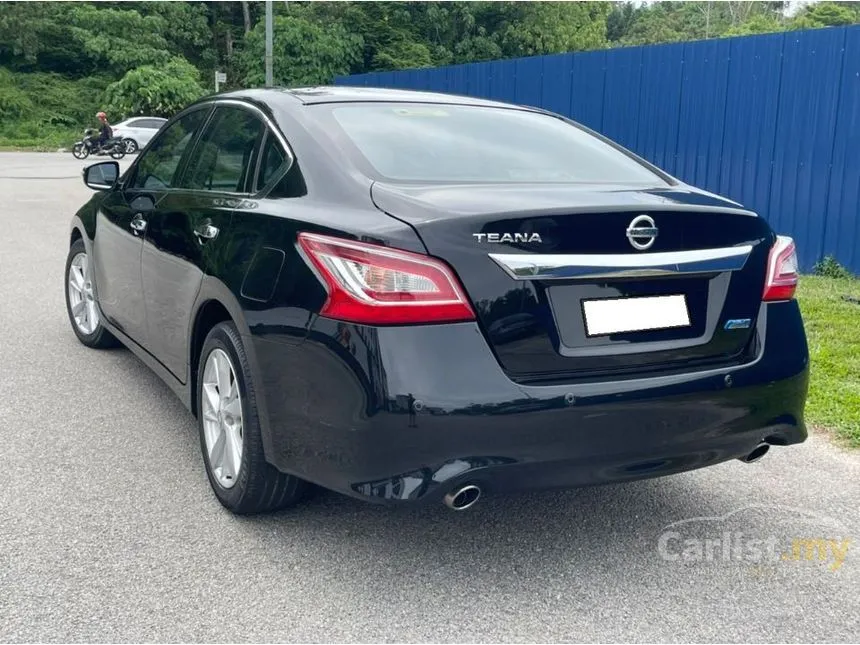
(101, 176)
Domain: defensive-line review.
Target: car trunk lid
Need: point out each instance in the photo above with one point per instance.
(568, 284)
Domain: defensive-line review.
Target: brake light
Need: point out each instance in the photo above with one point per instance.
(374, 284)
(782, 273)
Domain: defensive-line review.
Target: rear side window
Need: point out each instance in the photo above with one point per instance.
(226, 152)
(152, 124)
(272, 160)
(158, 165)
(458, 143)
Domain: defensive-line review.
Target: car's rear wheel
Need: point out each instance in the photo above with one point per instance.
(81, 304)
(230, 436)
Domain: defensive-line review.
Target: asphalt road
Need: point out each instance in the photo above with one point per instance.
(109, 531)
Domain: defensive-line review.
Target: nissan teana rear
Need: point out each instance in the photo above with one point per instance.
(442, 297)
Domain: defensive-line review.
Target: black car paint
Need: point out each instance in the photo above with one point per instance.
(582, 220)
(337, 399)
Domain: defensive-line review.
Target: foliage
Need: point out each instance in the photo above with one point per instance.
(663, 22)
(185, 29)
(677, 21)
(35, 36)
(46, 109)
(828, 14)
(620, 20)
(14, 102)
(146, 50)
(306, 53)
(829, 267)
(154, 91)
(119, 39)
(760, 24)
(834, 353)
(553, 27)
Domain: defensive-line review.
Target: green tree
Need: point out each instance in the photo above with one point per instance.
(680, 21)
(154, 90)
(120, 39)
(619, 20)
(760, 24)
(827, 14)
(305, 53)
(186, 30)
(552, 27)
(35, 36)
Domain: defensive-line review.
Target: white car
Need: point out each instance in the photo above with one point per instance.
(137, 131)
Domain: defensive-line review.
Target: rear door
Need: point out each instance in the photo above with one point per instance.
(147, 128)
(186, 237)
(132, 129)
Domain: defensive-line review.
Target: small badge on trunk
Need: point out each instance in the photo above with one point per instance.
(502, 238)
(738, 323)
(642, 232)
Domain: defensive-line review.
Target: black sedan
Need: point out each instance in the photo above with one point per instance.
(408, 296)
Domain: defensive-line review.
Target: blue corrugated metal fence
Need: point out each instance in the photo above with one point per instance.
(772, 121)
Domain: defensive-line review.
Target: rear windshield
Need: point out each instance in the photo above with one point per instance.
(460, 143)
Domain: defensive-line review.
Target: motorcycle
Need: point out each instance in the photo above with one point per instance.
(114, 147)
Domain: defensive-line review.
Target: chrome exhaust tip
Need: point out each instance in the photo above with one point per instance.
(462, 498)
(757, 453)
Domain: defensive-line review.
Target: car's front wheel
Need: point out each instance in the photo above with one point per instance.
(230, 435)
(130, 146)
(81, 304)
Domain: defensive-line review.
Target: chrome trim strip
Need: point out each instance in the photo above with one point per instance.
(580, 267)
(263, 116)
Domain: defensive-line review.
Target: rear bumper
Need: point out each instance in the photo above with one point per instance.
(335, 408)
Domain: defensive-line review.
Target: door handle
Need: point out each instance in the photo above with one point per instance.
(138, 224)
(206, 232)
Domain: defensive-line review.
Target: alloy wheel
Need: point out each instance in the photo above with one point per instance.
(221, 407)
(81, 298)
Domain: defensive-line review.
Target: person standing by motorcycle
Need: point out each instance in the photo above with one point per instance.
(105, 132)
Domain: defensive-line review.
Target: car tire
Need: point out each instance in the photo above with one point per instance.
(131, 146)
(81, 303)
(241, 478)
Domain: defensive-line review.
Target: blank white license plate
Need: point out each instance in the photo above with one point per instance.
(619, 315)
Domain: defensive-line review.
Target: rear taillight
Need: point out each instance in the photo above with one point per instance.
(374, 284)
(781, 270)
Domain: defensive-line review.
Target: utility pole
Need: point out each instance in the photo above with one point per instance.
(269, 81)
(708, 21)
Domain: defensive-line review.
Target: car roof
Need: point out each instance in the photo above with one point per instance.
(349, 94)
(143, 116)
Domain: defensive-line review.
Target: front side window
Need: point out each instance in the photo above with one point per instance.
(463, 143)
(158, 165)
(226, 152)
